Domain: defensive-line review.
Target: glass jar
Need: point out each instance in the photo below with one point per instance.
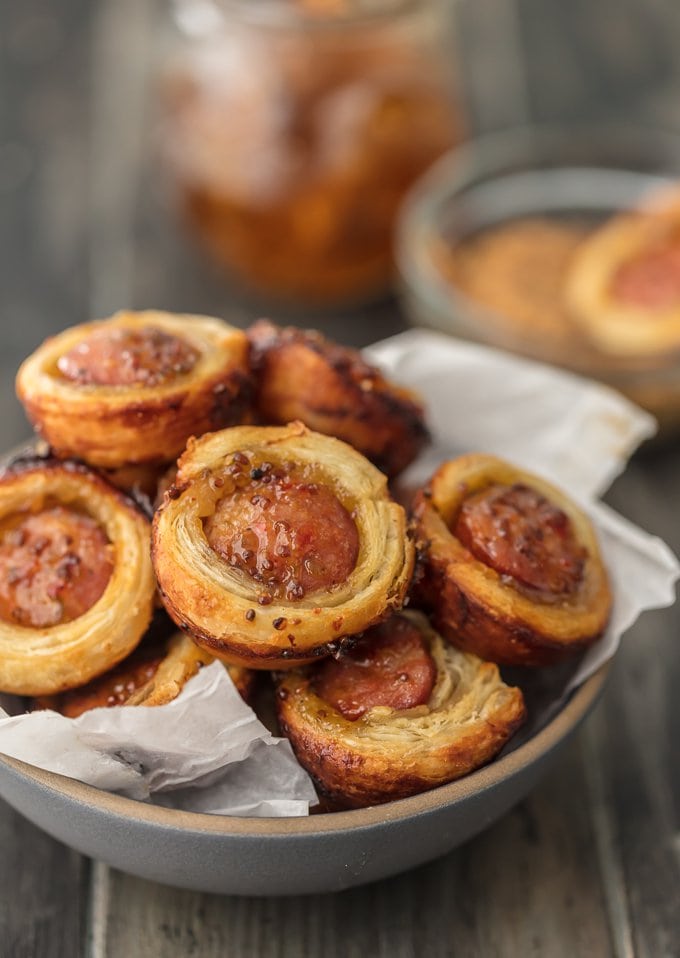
(293, 128)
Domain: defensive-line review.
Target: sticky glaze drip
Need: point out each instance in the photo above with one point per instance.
(287, 532)
(119, 356)
(390, 665)
(54, 565)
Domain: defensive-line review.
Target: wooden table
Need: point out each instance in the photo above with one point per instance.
(588, 864)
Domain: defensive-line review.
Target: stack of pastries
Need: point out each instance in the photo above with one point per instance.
(234, 485)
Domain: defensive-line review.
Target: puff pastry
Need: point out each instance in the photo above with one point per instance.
(275, 542)
(76, 582)
(131, 389)
(510, 567)
(154, 674)
(623, 284)
(455, 723)
(300, 375)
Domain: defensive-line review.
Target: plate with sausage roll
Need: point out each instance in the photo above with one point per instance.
(246, 576)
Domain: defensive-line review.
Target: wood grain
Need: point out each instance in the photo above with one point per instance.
(43, 159)
(43, 893)
(637, 736)
(528, 886)
(43, 163)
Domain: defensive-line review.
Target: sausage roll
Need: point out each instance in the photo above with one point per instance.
(154, 674)
(623, 285)
(130, 390)
(76, 583)
(301, 375)
(509, 566)
(275, 542)
(401, 712)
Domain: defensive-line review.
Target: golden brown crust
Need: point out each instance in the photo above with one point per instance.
(173, 662)
(480, 610)
(300, 375)
(218, 604)
(183, 660)
(618, 327)
(389, 754)
(41, 661)
(114, 426)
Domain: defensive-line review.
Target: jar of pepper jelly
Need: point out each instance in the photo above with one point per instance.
(293, 128)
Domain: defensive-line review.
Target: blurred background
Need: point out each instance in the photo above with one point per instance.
(94, 201)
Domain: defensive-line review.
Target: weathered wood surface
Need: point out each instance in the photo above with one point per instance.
(591, 59)
(588, 864)
(44, 54)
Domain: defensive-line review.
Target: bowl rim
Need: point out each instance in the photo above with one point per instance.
(577, 706)
(447, 174)
(286, 18)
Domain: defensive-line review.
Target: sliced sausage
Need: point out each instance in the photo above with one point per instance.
(391, 665)
(128, 357)
(293, 536)
(54, 565)
(519, 533)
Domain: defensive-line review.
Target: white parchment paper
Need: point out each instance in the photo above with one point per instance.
(575, 432)
(207, 738)
(208, 752)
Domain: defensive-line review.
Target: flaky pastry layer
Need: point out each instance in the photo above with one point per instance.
(182, 661)
(480, 610)
(389, 754)
(218, 604)
(42, 661)
(300, 375)
(115, 426)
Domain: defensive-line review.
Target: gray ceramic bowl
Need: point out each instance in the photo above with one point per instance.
(264, 856)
